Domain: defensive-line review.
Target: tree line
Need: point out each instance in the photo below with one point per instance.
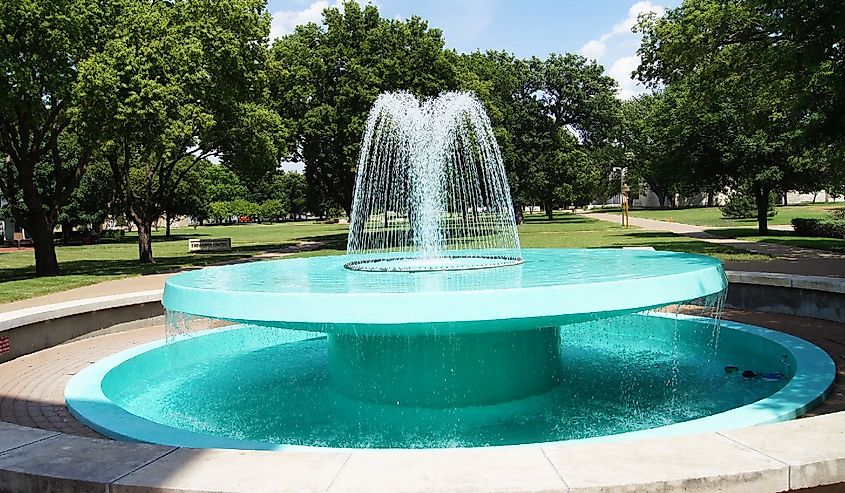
(749, 95)
(125, 102)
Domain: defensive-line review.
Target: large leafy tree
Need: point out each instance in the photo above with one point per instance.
(42, 45)
(177, 82)
(730, 55)
(552, 118)
(93, 200)
(583, 115)
(326, 77)
(507, 85)
(671, 139)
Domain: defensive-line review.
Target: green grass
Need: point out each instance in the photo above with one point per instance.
(85, 265)
(712, 216)
(787, 238)
(578, 231)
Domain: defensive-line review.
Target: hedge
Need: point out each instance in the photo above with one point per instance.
(820, 228)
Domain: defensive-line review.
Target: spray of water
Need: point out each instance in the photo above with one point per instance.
(431, 191)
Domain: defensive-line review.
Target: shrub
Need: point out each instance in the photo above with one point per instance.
(819, 228)
(116, 234)
(741, 205)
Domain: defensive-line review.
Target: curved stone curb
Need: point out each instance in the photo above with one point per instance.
(34, 329)
(805, 296)
(27, 316)
(814, 283)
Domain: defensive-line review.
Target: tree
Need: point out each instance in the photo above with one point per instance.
(326, 78)
(507, 86)
(271, 210)
(293, 190)
(552, 119)
(672, 143)
(92, 201)
(176, 83)
(724, 53)
(583, 112)
(220, 211)
(42, 45)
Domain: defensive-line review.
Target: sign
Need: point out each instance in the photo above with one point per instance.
(5, 345)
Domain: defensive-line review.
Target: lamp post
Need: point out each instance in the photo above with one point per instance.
(623, 191)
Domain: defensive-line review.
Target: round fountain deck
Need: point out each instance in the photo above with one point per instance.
(553, 287)
(445, 339)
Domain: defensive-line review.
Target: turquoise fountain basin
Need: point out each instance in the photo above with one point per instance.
(561, 347)
(248, 387)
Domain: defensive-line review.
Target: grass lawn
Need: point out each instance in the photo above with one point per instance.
(84, 265)
(787, 238)
(712, 216)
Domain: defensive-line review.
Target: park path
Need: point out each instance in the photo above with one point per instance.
(787, 259)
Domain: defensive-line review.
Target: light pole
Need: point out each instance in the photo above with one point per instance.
(623, 192)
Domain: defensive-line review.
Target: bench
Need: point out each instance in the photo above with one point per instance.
(18, 240)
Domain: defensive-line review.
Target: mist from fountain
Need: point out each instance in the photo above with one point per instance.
(431, 191)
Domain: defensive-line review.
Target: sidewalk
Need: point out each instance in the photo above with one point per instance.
(788, 260)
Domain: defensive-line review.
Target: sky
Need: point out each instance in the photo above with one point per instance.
(599, 29)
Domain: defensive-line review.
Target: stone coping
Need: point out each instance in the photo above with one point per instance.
(26, 316)
(784, 456)
(769, 458)
(814, 283)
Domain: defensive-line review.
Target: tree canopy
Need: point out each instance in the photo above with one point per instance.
(175, 83)
(325, 78)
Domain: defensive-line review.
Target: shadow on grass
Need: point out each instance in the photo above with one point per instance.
(559, 218)
(171, 263)
(786, 238)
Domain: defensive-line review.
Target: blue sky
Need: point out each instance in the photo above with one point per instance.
(599, 28)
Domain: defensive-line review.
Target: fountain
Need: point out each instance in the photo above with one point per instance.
(431, 190)
(437, 329)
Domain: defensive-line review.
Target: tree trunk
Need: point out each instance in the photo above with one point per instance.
(145, 243)
(66, 230)
(518, 214)
(710, 199)
(167, 220)
(41, 230)
(761, 198)
(550, 212)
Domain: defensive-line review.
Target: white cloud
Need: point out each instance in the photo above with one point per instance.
(621, 71)
(594, 49)
(285, 21)
(616, 48)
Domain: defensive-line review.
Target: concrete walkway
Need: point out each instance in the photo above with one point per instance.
(787, 259)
